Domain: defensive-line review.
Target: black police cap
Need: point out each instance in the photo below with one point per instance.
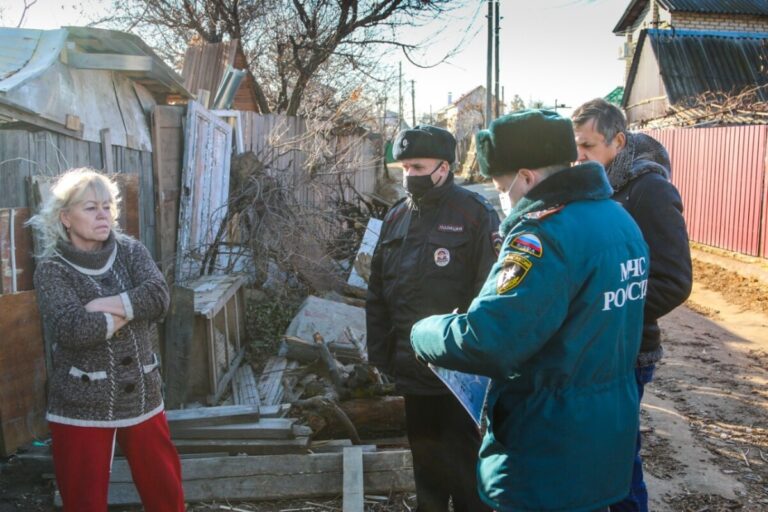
(425, 141)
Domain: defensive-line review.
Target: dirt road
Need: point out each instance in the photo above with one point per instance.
(705, 416)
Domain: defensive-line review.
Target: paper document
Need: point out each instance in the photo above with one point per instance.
(469, 389)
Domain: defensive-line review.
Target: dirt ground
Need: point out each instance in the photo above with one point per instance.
(704, 418)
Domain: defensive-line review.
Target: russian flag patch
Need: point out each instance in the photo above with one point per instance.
(527, 243)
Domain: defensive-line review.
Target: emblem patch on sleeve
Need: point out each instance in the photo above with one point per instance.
(496, 242)
(528, 243)
(513, 271)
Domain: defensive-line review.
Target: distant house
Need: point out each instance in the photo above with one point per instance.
(709, 15)
(464, 116)
(615, 96)
(679, 51)
(674, 68)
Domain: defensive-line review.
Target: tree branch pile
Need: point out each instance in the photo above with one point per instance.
(749, 106)
(295, 208)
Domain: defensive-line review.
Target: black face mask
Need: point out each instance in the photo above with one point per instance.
(417, 186)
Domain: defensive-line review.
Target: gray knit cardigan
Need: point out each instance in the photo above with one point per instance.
(102, 378)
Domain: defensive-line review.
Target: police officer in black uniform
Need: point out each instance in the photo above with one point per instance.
(436, 248)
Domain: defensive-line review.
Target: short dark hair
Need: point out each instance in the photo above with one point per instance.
(609, 119)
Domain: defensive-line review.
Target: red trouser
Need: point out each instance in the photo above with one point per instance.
(82, 459)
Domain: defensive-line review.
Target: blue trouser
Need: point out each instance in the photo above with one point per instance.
(637, 499)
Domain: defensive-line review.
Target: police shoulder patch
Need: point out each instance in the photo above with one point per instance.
(527, 243)
(496, 241)
(541, 214)
(513, 270)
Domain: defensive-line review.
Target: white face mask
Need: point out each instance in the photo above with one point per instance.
(505, 200)
(506, 203)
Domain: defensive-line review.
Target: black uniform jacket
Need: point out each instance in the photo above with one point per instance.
(432, 257)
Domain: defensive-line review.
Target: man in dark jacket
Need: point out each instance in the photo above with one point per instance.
(435, 250)
(638, 169)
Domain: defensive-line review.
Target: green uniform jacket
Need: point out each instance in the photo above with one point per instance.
(557, 327)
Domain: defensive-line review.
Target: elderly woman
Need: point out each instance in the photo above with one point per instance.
(100, 293)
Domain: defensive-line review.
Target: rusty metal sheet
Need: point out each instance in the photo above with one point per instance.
(22, 372)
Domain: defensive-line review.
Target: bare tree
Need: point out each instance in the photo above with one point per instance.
(516, 104)
(291, 44)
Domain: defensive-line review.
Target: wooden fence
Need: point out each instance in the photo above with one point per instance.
(309, 162)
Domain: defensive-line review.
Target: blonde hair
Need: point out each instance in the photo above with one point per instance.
(69, 189)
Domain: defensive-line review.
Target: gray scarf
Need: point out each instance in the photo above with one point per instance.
(642, 154)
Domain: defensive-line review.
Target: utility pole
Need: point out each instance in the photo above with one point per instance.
(496, 58)
(400, 98)
(413, 102)
(489, 64)
(503, 101)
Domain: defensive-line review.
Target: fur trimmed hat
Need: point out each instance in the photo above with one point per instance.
(425, 141)
(528, 139)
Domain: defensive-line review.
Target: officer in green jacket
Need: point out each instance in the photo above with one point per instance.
(556, 326)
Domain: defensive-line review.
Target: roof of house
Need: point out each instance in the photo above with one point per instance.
(27, 53)
(615, 96)
(694, 62)
(743, 7)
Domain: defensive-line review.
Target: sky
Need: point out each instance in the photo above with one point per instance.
(550, 50)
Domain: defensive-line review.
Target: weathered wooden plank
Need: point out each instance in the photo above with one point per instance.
(167, 155)
(275, 477)
(274, 411)
(352, 500)
(106, 150)
(16, 262)
(207, 416)
(247, 446)
(265, 428)
(244, 388)
(223, 384)
(338, 446)
(14, 167)
(178, 335)
(212, 292)
(95, 158)
(147, 202)
(22, 372)
(271, 380)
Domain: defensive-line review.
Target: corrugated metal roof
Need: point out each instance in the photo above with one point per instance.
(694, 62)
(741, 7)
